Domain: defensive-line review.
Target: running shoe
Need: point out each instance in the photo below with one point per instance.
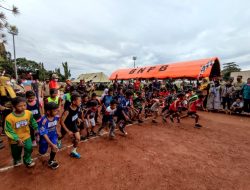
(75, 155)
(31, 164)
(17, 163)
(123, 130)
(198, 126)
(53, 164)
(154, 121)
(83, 138)
(112, 135)
(92, 133)
(140, 121)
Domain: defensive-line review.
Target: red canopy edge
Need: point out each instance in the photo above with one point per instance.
(190, 69)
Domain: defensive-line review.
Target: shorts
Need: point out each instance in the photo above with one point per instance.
(191, 113)
(43, 145)
(81, 125)
(172, 112)
(90, 123)
(73, 129)
(120, 117)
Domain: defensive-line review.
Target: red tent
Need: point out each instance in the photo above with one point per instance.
(189, 69)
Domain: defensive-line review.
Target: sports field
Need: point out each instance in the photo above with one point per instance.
(169, 156)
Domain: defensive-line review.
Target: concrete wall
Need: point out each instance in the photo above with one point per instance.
(245, 75)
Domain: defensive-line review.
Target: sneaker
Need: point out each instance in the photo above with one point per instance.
(100, 133)
(75, 155)
(164, 120)
(197, 126)
(123, 130)
(1, 146)
(17, 163)
(59, 144)
(31, 164)
(140, 121)
(92, 133)
(83, 138)
(112, 135)
(34, 144)
(171, 118)
(53, 164)
(154, 121)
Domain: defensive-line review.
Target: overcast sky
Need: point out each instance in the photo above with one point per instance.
(103, 35)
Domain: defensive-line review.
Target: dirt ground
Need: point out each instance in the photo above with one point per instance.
(151, 157)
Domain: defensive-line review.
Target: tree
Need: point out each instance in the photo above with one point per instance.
(67, 73)
(3, 19)
(228, 68)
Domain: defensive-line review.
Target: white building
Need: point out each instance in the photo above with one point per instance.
(245, 75)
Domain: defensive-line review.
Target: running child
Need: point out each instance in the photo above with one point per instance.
(17, 129)
(49, 130)
(123, 111)
(89, 118)
(69, 124)
(108, 119)
(173, 109)
(36, 109)
(155, 109)
(138, 105)
(83, 110)
(95, 99)
(54, 97)
(193, 102)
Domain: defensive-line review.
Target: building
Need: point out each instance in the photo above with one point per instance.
(245, 75)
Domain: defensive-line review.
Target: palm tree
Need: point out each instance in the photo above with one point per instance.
(3, 19)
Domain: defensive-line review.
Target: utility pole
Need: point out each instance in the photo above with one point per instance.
(134, 58)
(14, 31)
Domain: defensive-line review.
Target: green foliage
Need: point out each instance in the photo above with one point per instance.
(228, 68)
(67, 73)
(25, 66)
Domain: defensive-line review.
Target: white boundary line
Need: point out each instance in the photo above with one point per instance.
(64, 148)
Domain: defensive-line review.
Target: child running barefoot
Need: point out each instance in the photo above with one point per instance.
(18, 131)
(48, 129)
(69, 124)
(108, 119)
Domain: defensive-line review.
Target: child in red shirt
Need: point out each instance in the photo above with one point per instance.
(173, 109)
(194, 102)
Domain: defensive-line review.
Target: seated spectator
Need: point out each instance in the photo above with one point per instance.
(237, 106)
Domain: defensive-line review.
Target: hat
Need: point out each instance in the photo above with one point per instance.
(54, 76)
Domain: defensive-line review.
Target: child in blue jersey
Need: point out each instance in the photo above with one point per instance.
(48, 130)
(35, 107)
(123, 111)
(106, 100)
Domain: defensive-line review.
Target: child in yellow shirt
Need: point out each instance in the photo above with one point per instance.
(18, 131)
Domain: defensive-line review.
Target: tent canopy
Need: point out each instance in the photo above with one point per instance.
(95, 77)
(189, 69)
